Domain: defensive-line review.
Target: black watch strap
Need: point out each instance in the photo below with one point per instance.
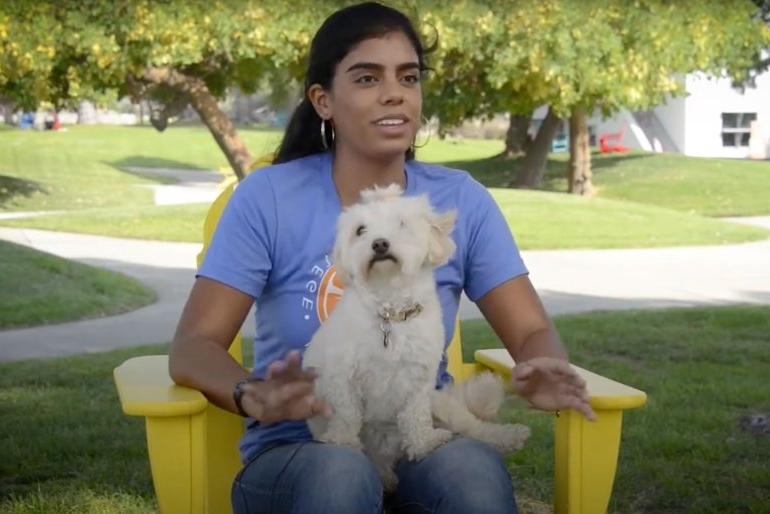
(238, 394)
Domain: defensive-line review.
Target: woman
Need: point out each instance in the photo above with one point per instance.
(354, 129)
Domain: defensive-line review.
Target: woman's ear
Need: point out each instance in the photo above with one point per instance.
(320, 99)
(441, 245)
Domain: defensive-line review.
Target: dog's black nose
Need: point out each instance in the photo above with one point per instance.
(380, 246)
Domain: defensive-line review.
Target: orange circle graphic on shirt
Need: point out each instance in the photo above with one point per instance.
(329, 293)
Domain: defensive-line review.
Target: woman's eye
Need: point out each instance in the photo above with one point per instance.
(360, 230)
(366, 79)
(411, 79)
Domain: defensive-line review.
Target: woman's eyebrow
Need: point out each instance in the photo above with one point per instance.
(379, 67)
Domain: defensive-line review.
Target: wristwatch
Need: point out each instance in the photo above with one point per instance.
(238, 394)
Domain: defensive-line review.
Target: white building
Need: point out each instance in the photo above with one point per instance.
(712, 120)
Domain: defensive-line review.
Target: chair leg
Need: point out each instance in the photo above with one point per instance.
(586, 460)
(175, 446)
(223, 460)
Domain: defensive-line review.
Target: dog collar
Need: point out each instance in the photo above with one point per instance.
(386, 312)
(390, 314)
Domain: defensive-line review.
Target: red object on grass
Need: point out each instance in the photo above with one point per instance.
(610, 143)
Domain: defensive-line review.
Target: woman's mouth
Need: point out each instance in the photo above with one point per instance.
(395, 126)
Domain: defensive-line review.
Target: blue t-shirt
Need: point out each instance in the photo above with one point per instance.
(274, 243)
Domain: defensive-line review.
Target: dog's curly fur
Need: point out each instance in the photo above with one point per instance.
(383, 396)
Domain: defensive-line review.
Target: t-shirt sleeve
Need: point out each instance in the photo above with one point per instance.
(492, 256)
(240, 254)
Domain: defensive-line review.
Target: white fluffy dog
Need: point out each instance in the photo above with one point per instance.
(378, 354)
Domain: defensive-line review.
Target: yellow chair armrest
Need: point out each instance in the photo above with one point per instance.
(146, 389)
(605, 394)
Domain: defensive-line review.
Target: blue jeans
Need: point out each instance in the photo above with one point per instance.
(461, 477)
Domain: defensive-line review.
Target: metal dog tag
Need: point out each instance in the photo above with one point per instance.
(385, 327)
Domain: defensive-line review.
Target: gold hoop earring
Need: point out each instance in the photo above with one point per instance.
(323, 134)
(324, 143)
(425, 122)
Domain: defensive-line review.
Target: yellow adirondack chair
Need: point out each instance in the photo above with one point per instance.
(192, 444)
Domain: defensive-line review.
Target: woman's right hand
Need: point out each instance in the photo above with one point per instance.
(286, 394)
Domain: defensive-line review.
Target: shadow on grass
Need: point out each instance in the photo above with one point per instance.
(145, 161)
(603, 162)
(13, 187)
(163, 171)
(499, 171)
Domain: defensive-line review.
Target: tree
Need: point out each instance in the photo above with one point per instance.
(172, 53)
(763, 58)
(658, 42)
(578, 57)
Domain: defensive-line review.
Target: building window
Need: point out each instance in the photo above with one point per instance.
(736, 128)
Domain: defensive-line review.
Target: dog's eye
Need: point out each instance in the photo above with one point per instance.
(360, 230)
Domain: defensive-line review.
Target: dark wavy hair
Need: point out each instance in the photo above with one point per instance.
(337, 36)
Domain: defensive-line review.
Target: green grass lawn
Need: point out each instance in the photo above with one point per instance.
(84, 167)
(684, 452)
(38, 288)
(709, 187)
(83, 171)
(540, 220)
(543, 220)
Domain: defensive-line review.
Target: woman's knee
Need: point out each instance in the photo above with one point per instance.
(465, 475)
(309, 478)
(472, 461)
(342, 468)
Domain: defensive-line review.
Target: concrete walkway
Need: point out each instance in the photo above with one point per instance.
(568, 282)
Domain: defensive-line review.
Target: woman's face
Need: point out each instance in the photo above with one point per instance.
(375, 100)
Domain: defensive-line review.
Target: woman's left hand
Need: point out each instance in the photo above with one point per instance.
(551, 384)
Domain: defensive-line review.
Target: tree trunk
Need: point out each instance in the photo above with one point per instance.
(517, 137)
(205, 104)
(86, 113)
(532, 167)
(579, 169)
(8, 108)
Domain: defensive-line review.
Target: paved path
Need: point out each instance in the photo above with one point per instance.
(752, 221)
(189, 186)
(568, 282)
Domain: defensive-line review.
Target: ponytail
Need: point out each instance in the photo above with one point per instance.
(302, 136)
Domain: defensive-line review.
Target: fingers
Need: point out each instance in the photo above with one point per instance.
(523, 371)
(289, 392)
(584, 407)
(290, 369)
(575, 397)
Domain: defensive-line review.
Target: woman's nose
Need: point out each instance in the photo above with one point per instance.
(391, 92)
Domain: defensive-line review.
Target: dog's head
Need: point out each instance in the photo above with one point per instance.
(388, 234)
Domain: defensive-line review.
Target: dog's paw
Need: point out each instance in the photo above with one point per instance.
(421, 446)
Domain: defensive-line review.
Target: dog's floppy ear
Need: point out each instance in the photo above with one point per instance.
(337, 263)
(441, 245)
(338, 257)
